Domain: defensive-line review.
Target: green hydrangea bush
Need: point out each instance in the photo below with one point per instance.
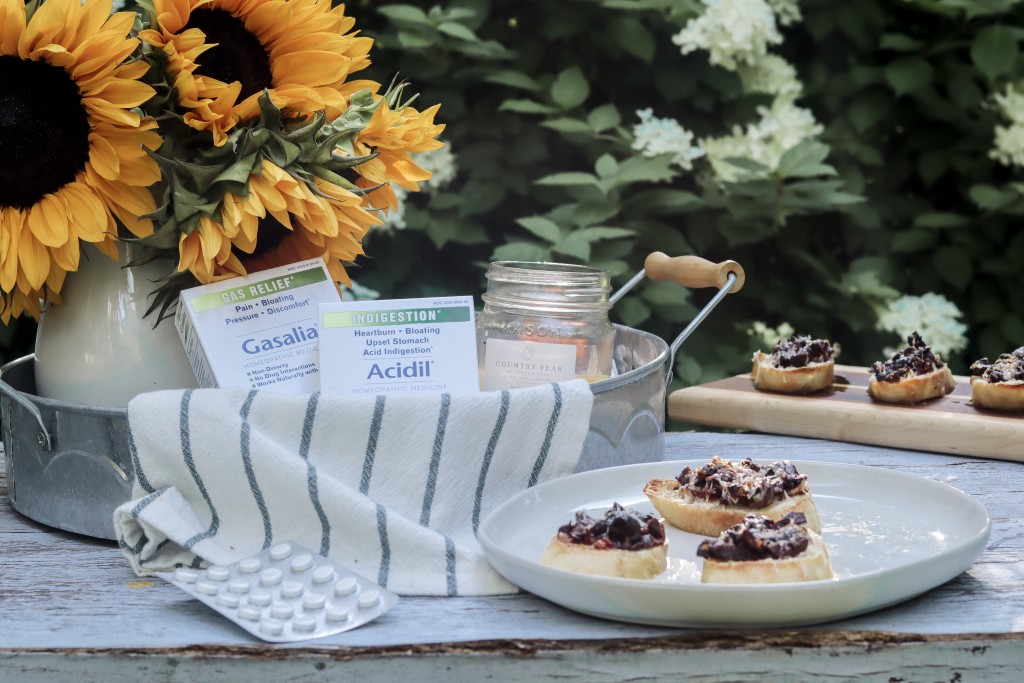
(860, 160)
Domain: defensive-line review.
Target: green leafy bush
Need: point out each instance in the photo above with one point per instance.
(897, 195)
(878, 171)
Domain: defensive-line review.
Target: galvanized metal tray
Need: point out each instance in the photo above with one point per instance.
(69, 465)
(74, 468)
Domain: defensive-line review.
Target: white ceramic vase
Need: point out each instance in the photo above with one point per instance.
(96, 348)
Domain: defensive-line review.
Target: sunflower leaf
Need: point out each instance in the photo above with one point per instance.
(270, 115)
(166, 236)
(282, 152)
(188, 204)
(239, 171)
(307, 131)
(333, 178)
(343, 162)
(30, 8)
(324, 148)
(203, 177)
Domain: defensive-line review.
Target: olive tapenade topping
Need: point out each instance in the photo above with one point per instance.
(916, 359)
(759, 538)
(1008, 368)
(800, 350)
(745, 483)
(619, 529)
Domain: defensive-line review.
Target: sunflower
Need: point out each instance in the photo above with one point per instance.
(281, 220)
(394, 134)
(222, 54)
(71, 146)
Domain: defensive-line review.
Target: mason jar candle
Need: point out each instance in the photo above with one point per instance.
(543, 322)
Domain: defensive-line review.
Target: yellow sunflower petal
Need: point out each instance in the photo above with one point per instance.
(105, 111)
(33, 261)
(103, 157)
(54, 282)
(57, 55)
(48, 221)
(98, 59)
(310, 67)
(12, 23)
(211, 239)
(173, 14)
(11, 221)
(108, 247)
(66, 257)
(90, 218)
(94, 14)
(188, 251)
(47, 24)
(133, 71)
(121, 93)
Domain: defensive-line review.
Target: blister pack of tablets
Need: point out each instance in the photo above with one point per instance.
(286, 593)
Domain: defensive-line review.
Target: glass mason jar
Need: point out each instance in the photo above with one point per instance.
(543, 322)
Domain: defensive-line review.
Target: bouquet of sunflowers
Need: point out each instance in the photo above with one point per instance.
(226, 136)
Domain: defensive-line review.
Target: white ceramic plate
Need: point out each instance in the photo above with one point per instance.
(891, 536)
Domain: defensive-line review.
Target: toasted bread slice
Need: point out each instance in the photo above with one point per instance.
(997, 395)
(684, 511)
(999, 385)
(913, 389)
(812, 564)
(622, 543)
(803, 380)
(645, 563)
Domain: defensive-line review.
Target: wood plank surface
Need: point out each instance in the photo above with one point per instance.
(71, 609)
(845, 412)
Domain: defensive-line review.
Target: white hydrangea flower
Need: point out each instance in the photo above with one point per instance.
(767, 337)
(732, 31)
(932, 316)
(1010, 103)
(1008, 142)
(771, 75)
(1008, 146)
(654, 136)
(441, 163)
(780, 128)
(786, 11)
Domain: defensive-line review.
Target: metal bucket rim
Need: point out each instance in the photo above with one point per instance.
(56, 404)
(635, 374)
(598, 387)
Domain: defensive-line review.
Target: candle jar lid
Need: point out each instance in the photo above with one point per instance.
(557, 288)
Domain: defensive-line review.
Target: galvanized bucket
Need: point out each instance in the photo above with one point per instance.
(70, 465)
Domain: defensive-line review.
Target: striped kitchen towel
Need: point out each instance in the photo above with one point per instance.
(393, 487)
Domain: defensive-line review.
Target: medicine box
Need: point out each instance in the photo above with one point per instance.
(399, 346)
(258, 331)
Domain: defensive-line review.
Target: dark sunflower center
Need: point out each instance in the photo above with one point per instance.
(238, 56)
(268, 236)
(44, 131)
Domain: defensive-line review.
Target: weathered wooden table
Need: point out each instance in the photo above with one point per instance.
(71, 609)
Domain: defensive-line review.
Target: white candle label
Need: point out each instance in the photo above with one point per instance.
(511, 364)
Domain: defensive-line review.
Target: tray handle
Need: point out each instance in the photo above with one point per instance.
(693, 271)
(33, 410)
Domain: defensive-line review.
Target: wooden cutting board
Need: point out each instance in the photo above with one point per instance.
(846, 413)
